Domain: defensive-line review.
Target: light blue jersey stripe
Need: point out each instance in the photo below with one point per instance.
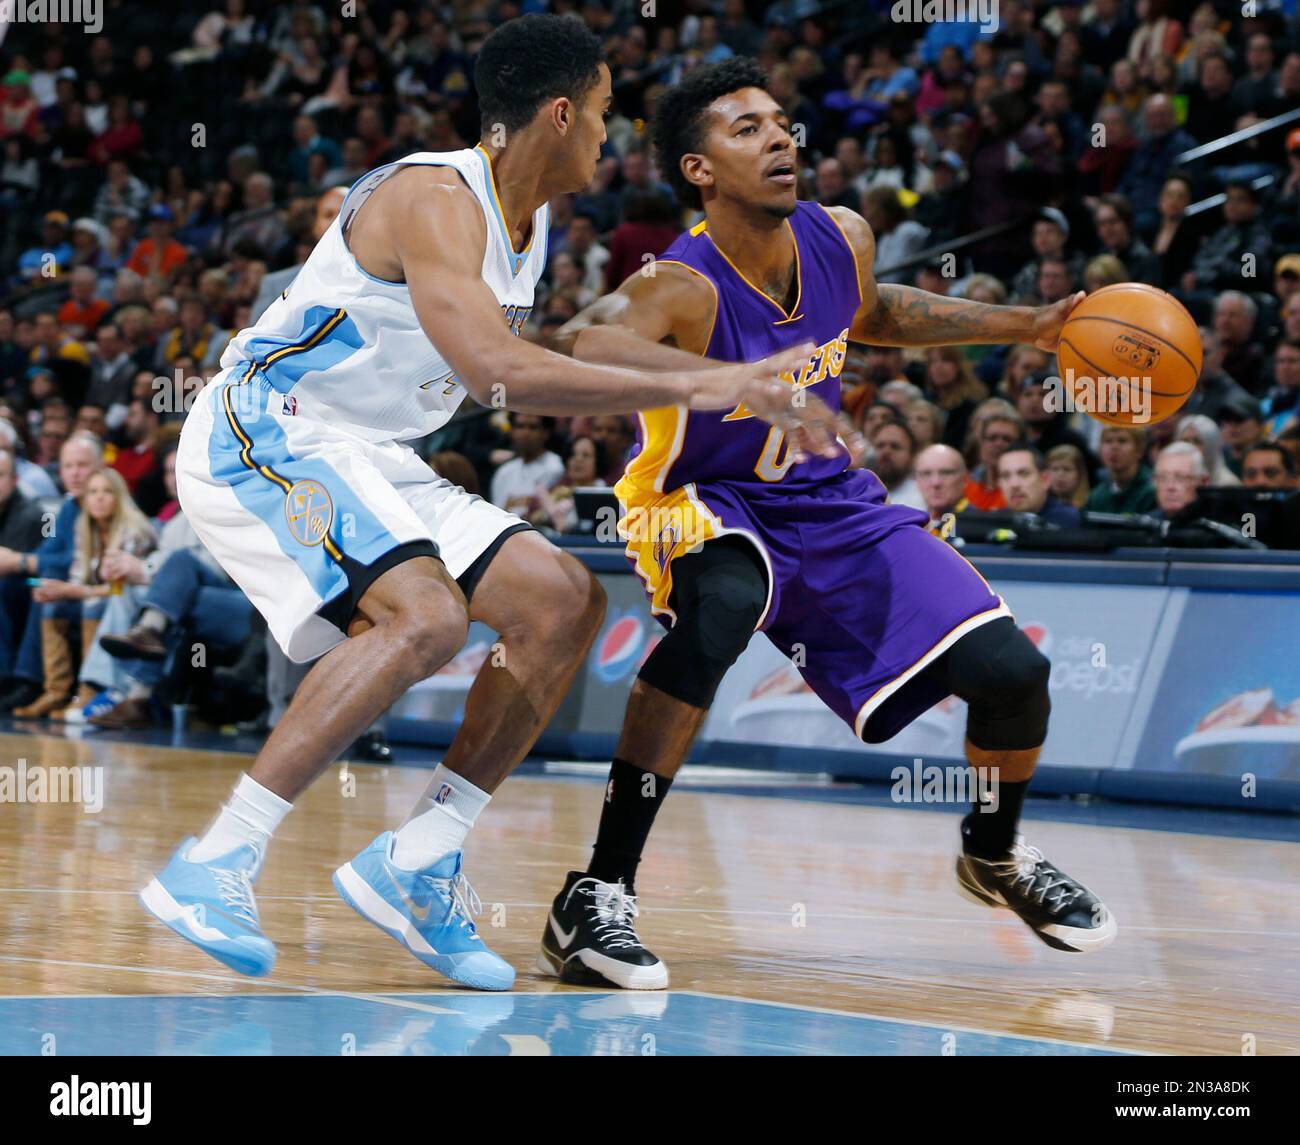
(328, 337)
(248, 451)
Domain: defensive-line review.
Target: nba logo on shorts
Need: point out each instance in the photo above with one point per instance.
(444, 793)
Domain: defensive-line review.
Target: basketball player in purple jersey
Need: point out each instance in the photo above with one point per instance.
(293, 470)
(733, 532)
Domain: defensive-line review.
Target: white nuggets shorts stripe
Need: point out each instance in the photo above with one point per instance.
(289, 504)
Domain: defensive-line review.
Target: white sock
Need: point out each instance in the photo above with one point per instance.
(251, 816)
(439, 821)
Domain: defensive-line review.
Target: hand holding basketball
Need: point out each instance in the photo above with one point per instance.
(1129, 354)
(1050, 319)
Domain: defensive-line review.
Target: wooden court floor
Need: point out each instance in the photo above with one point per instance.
(827, 906)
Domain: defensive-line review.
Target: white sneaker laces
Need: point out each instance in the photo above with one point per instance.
(236, 890)
(464, 902)
(615, 911)
(1039, 877)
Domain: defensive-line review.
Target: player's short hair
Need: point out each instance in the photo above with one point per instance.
(678, 127)
(530, 60)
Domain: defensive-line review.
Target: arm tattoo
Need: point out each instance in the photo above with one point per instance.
(906, 316)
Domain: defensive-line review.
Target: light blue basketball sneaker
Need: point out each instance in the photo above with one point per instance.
(211, 903)
(430, 912)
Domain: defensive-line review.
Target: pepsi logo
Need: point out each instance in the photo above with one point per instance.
(618, 647)
(1040, 636)
(650, 645)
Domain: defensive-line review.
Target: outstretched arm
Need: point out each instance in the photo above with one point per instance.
(663, 322)
(893, 315)
(432, 233)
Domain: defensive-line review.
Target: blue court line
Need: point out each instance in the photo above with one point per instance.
(458, 1023)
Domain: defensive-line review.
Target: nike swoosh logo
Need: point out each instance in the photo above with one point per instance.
(416, 913)
(557, 930)
(974, 885)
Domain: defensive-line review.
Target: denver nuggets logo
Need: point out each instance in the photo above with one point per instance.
(309, 512)
(1137, 353)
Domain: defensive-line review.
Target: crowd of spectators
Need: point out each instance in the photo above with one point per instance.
(162, 181)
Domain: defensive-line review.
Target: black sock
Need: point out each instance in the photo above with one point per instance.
(989, 834)
(632, 799)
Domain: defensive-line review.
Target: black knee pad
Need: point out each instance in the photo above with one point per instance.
(718, 596)
(1003, 678)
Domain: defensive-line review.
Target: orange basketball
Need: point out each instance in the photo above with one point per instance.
(1129, 355)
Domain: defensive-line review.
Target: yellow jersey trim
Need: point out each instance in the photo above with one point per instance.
(791, 315)
(857, 276)
(517, 255)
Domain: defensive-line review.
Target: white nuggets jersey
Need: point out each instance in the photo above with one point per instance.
(347, 348)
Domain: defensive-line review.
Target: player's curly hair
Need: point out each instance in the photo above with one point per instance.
(678, 127)
(530, 60)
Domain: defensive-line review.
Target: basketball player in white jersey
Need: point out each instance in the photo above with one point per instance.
(292, 471)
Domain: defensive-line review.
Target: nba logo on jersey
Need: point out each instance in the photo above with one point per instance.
(290, 405)
(444, 793)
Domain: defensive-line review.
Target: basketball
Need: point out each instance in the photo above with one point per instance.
(1130, 354)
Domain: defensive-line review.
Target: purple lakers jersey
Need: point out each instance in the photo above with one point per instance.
(680, 446)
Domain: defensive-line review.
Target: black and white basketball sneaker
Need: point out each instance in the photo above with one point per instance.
(1062, 912)
(590, 939)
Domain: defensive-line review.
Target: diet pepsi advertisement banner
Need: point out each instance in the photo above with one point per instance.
(1164, 680)
(1100, 641)
(1242, 718)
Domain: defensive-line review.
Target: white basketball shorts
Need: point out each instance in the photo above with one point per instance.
(300, 511)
